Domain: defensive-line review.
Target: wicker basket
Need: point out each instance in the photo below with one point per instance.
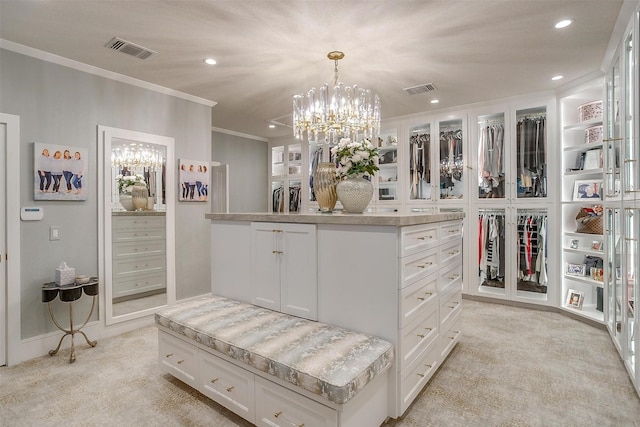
(588, 224)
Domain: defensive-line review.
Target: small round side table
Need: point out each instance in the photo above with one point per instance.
(69, 294)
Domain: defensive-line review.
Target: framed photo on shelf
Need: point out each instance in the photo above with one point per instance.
(576, 269)
(592, 159)
(596, 245)
(597, 274)
(575, 299)
(586, 189)
(573, 244)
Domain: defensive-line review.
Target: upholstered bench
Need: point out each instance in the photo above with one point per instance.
(221, 346)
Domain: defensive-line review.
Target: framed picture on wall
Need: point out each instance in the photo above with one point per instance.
(59, 172)
(193, 180)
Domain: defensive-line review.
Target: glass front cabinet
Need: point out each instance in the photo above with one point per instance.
(285, 184)
(622, 198)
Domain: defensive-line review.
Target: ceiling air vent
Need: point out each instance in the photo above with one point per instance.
(129, 48)
(427, 87)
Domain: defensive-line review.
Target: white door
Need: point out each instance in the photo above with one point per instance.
(3, 245)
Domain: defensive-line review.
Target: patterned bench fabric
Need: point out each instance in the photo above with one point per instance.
(326, 360)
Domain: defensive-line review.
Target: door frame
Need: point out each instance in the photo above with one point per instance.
(12, 309)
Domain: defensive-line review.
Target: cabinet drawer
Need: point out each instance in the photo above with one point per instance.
(138, 284)
(137, 222)
(137, 265)
(451, 252)
(418, 336)
(450, 306)
(416, 376)
(450, 337)
(278, 406)
(227, 384)
(450, 231)
(450, 278)
(178, 358)
(136, 248)
(138, 235)
(416, 238)
(415, 267)
(417, 298)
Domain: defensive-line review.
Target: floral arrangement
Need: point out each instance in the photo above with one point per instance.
(126, 183)
(355, 158)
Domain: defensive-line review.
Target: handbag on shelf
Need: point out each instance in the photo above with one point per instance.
(589, 220)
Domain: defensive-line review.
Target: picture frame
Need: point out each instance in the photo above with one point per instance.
(596, 245)
(193, 180)
(60, 172)
(575, 299)
(597, 274)
(584, 190)
(576, 269)
(592, 159)
(573, 244)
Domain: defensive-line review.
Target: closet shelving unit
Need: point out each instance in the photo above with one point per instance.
(509, 210)
(582, 165)
(387, 180)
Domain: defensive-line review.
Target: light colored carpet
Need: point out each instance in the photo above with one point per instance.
(512, 367)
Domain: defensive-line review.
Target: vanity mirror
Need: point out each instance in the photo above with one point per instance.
(136, 216)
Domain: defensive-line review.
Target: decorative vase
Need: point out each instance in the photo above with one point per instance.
(126, 200)
(355, 194)
(324, 186)
(139, 194)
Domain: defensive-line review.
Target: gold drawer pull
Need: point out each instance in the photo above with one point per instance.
(277, 252)
(453, 231)
(452, 338)
(454, 252)
(456, 332)
(213, 381)
(180, 362)
(421, 375)
(420, 298)
(630, 160)
(428, 329)
(277, 414)
(169, 355)
(426, 237)
(455, 276)
(425, 264)
(230, 388)
(421, 336)
(452, 307)
(277, 231)
(428, 366)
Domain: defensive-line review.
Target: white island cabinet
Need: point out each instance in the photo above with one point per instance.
(393, 275)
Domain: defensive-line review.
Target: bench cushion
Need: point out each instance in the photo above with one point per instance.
(326, 360)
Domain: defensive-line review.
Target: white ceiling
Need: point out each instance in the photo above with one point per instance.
(269, 50)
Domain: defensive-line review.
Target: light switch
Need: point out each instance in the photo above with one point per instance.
(54, 233)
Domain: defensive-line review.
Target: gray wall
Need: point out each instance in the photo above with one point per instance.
(248, 172)
(59, 105)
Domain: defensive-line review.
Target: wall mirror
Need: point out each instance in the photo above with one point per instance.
(136, 216)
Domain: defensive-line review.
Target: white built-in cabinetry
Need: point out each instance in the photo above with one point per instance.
(284, 268)
(400, 283)
(622, 197)
(138, 247)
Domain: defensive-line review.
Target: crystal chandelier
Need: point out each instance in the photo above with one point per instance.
(347, 112)
(136, 156)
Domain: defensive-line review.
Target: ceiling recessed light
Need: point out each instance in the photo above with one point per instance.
(272, 126)
(557, 77)
(564, 23)
(435, 101)
(210, 61)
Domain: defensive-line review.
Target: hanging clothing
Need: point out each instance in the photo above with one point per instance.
(531, 156)
(490, 157)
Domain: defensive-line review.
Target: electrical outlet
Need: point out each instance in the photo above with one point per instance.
(54, 233)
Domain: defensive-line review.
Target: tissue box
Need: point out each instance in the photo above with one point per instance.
(65, 275)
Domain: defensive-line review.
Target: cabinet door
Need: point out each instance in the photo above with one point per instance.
(491, 156)
(531, 153)
(421, 169)
(266, 259)
(451, 146)
(298, 270)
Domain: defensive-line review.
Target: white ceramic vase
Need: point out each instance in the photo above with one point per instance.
(355, 194)
(126, 200)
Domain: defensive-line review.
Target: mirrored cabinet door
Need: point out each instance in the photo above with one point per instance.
(613, 135)
(531, 152)
(387, 175)
(490, 162)
(451, 159)
(420, 168)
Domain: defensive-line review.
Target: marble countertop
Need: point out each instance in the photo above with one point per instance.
(138, 213)
(397, 219)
